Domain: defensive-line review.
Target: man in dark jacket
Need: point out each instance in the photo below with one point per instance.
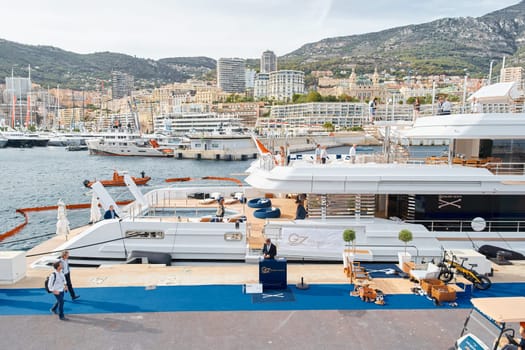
(269, 249)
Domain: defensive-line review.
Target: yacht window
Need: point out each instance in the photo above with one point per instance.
(145, 234)
(233, 236)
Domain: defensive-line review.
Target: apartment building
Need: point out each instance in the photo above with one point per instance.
(283, 84)
(260, 86)
(121, 84)
(268, 62)
(315, 114)
(231, 75)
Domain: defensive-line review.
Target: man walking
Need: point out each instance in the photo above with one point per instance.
(64, 259)
(57, 286)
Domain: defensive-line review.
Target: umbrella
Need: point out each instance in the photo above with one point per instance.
(95, 211)
(62, 222)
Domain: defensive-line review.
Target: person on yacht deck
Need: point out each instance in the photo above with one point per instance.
(352, 153)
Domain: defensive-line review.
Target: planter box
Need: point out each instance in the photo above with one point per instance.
(443, 293)
(427, 284)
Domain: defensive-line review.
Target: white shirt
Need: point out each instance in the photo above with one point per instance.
(56, 282)
(352, 152)
(65, 266)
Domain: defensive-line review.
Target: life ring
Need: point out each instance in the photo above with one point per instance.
(259, 203)
(267, 213)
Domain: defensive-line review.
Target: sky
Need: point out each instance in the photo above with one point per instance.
(215, 28)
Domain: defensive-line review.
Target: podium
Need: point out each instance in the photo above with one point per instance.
(272, 273)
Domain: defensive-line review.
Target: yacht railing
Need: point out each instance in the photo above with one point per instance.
(497, 168)
(466, 225)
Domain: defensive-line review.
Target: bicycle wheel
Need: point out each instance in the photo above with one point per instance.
(446, 276)
(482, 283)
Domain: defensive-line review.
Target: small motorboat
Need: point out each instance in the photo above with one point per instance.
(118, 180)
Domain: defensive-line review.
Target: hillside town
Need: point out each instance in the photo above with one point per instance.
(265, 100)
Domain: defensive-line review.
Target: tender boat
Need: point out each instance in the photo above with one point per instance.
(118, 180)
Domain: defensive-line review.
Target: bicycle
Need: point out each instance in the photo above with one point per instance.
(450, 266)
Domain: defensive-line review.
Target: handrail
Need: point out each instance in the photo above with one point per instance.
(465, 225)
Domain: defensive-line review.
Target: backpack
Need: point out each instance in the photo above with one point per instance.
(46, 283)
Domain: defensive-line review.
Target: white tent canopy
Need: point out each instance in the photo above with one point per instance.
(497, 93)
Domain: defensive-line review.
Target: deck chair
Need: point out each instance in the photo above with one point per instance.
(357, 272)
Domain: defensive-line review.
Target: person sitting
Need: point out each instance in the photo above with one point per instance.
(111, 213)
(300, 212)
(269, 250)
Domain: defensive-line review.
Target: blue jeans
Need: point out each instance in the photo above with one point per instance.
(59, 304)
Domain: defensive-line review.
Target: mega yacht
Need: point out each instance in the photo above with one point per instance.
(470, 198)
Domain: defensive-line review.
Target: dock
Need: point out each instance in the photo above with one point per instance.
(204, 306)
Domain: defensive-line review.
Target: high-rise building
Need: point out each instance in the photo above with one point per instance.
(121, 84)
(231, 75)
(250, 78)
(283, 84)
(268, 62)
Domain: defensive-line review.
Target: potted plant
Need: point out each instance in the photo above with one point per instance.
(348, 237)
(404, 236)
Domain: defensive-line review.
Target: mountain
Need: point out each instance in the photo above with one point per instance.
(51, 66)
(444, 46)
(448, 45)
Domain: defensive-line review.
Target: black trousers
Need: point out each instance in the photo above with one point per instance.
(69, 285)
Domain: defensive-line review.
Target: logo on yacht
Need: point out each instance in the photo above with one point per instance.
(295, 239)
(265, 270)
(449, 201)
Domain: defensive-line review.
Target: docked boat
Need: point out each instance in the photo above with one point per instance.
(221, 144)
(129, 144)
(472, 198)
(118, 180)
(3, 141)
(17, 139)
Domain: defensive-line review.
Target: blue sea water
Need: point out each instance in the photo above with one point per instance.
(41, 176)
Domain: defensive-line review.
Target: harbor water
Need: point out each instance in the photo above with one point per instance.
(40, 177)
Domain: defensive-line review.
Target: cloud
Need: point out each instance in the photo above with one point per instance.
(226, 28)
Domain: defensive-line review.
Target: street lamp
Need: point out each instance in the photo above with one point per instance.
(490, 71)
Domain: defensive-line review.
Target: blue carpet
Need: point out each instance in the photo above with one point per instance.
(222, 298)
(274, 296)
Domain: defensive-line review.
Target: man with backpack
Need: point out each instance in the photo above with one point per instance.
(57, 285)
